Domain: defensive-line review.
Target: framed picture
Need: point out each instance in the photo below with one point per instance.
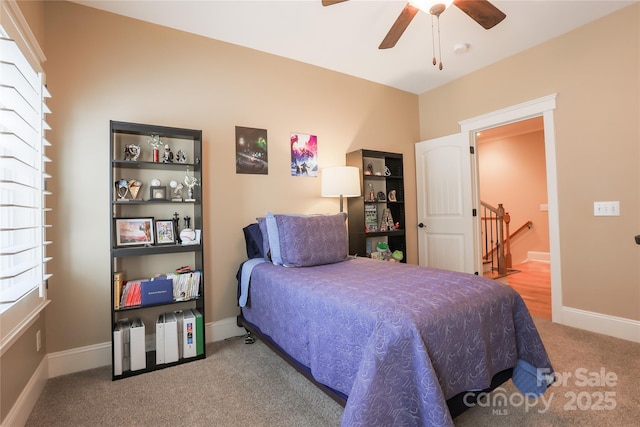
(158, 193)
(134, 231)
(304, 154)
(165, 234)
(251, 151)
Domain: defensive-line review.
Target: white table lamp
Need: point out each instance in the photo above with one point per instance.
(340, 181)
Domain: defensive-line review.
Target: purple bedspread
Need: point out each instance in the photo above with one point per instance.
(397, 339)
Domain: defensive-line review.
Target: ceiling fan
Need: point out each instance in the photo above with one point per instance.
(481, 11)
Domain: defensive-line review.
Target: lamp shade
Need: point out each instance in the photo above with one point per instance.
(340, 181)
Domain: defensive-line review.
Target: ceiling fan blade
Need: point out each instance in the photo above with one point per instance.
(330, 2)
(398, 27)
(481, 11)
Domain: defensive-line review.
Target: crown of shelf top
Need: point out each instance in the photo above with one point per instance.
(162, 131)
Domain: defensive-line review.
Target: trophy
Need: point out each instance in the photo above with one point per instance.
(155, 143)
(134, 187)
(122, 189)
(190, 182)
(131, 152)
(177, 191)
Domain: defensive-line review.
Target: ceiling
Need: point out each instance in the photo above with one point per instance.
(345, 37)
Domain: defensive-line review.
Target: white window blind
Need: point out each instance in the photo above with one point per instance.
(23, 192)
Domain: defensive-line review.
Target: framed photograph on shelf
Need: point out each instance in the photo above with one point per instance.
(158, 192)
(134, 231)
(165, 234)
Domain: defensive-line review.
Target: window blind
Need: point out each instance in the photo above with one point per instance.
(23, 176)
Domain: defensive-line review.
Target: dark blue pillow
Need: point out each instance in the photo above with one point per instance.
(253, 240)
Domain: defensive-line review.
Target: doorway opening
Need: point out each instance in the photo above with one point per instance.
(512, 183)
(542, 107)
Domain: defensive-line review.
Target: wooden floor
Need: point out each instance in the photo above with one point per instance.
(533, 283)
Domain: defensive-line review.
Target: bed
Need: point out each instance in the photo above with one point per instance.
(396, 344)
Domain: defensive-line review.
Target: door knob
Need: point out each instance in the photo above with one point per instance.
(421, 225)
(638, 239)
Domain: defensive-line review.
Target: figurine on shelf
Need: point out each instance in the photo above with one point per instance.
(190, 182)
(176, 223)
(131, 152)
(167, 157)
(155, 143)
(371, 193)
(181, 157)
(369, 170)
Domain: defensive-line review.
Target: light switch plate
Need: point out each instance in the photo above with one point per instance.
(606, 208)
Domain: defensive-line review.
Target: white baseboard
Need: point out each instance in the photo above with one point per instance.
(618, 327)
(223, 329)
(94, 356)
(539, 256)
(79, 359)
(23, 406)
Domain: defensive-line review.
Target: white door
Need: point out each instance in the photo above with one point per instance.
(445, 211)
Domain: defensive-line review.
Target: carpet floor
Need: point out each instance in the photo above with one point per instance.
(249, 385)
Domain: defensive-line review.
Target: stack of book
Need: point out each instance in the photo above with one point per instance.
(185, 285)
(146, 292)
(178, 335)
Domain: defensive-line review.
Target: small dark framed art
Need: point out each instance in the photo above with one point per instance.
(134, 231)
(165, 233)
(158, 193)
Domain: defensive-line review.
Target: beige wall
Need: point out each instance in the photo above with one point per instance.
(18, 364)
(512, 171)
(103, 66)
(595, 72)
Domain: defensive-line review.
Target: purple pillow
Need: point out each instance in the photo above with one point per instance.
(307, 240)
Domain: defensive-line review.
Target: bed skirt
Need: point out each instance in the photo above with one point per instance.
(456, 404)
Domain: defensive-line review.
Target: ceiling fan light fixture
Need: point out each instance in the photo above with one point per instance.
(434, 7)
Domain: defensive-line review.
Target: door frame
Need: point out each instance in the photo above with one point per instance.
(544, 107)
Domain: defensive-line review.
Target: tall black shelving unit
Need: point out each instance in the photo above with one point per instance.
(382, 173)
(145, 261)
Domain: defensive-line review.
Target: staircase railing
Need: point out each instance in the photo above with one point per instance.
(496, 249)
(493, 248)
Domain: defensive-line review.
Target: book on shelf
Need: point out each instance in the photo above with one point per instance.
(189, 332)
(370, 217)
(147, 292)
(159, 290)
(199, 332)
(171, 353)
(121, 346)
(118, 282)
(137, 345)
(118, 349)
(160, 339)
(185, 285)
